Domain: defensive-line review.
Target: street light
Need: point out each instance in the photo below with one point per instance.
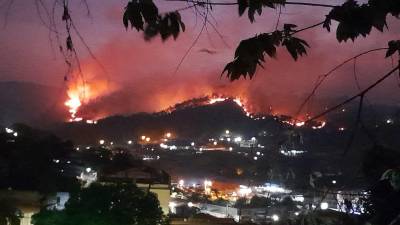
(275, 217)
(324, 205)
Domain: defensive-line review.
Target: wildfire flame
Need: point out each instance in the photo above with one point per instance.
(80, 93)
(73, 103)
(238, 101)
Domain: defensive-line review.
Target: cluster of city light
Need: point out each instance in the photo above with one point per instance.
(207, 186)
(88, 176)
(181, 183)
(148, 158)
(244, 190)
(272, 188)
(144, 138)
(170, 147)
(292, 152)
(298, 198)
(11, 131)
(237, 139)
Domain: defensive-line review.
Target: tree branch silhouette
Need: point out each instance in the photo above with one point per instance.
(235, 3)
(320, 80)
(362, 93)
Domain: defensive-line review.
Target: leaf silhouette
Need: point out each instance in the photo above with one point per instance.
(149, 11)
(295, 46)
(69, 43)
(143, 15)
(250, 53)
(288, 28)
(133, 16)
(327, 23)
(167, 25)
(393, 47)
(66, 15)
(256, 6)
(358, 20)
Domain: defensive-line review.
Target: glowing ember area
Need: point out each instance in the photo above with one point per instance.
(322, 125)
(238, 101)
(215, 100)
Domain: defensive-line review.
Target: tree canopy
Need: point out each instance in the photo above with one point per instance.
(9, 215)
(113, 204)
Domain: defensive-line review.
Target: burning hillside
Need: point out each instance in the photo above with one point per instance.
(81, 92)
(207, 100)
(83, 95)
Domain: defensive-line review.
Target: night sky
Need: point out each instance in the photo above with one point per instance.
(140, 75)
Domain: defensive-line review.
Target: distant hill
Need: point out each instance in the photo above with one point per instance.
(43, 106)
(189, 119)
(31, 103)
(197, 118)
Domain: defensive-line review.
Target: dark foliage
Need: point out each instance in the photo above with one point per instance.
(377, 160)
(295, 46)
(165, 26)
(27, 160)
(9, 215)
(143, 15)
(357, 20)
(251, 52)
(254, 6)
(393, 47)
(120, 204)
(381, 204)
(104, 160)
